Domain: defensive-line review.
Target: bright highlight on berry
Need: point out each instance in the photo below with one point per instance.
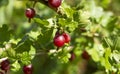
(30, 13)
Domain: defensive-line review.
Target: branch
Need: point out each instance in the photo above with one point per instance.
(46, 4)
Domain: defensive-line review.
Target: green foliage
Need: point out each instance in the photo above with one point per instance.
(5, 34)
(92, 25)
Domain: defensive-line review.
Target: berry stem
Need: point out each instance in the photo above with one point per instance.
(46, 3)
(34, 3)
(57, 48)
(29, 20)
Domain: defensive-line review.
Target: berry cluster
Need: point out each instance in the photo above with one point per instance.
(30, 12)
(61, 39)
(5, 66)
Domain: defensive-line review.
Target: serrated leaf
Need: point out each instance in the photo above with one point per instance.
(15, 66)
(64, 22)
(25, 58)
(64, 58)
(11, 53)
(34, 35)
(72, 26)
(84, 17)
(69, 12)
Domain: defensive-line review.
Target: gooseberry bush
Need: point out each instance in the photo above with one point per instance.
(59, 37)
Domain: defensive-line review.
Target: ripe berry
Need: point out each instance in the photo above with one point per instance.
(72, 56)
(30, 12)
(59, 40)
(54, 3)
(67, 37)
(28, 69)
(5, 65)
(85, 55)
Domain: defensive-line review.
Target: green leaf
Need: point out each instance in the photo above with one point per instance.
(25, 58)
(105, 19)
(102, 61)
(68, 11)
(76, 16)
(95, 11)
(23, 45)
(10, 53)
(105, 60)
(32, 52)
(118, 43)
(105, 3)
(111, 24)
(42, 23)
(64, 22)
(84, 17)
(15, 66)
(107, 53)
(94, 54)
(72, 26)
(4, 34)
(63, 57)
(107, 57)
(45, 38)
(34, 34)
(116, 56)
